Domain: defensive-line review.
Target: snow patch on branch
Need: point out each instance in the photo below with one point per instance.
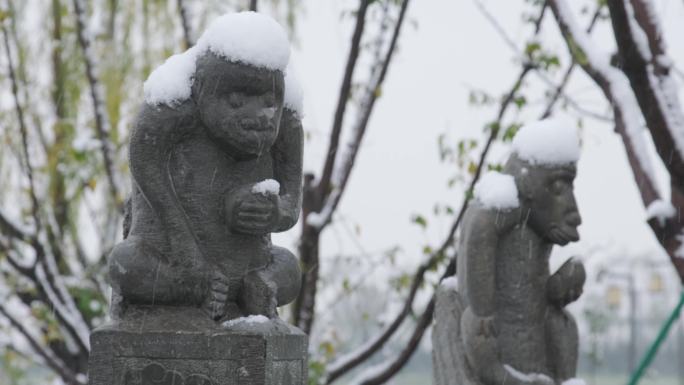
(75, 321)
(620, 91)
(320, 219)
(661, 82)
(679, 253)
(661, 210)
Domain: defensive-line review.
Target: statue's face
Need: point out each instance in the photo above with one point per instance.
(239, 105)
(550, 197)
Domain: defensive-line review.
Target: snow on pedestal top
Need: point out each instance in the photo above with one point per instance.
(495, 190)
(246, 37)
(547, 142)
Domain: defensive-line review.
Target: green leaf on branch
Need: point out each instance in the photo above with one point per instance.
(419, 220)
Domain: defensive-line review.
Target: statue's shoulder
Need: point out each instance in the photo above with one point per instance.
(161, 118)
(481, 218)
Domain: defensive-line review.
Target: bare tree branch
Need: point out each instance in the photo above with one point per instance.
(185, 23)
(345, 91)
(566, 77)
(99, 109)
(305, 304)
(615, 87)
(634, 95)
(359, 128)
(393, 366)
(660, 107)
(50, 359)
(23, 130)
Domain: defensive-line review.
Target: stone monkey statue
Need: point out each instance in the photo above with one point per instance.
(204, 199)
(503, 320)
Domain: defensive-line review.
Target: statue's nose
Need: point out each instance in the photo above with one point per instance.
(574, 219)
(267, 113)
(249, 124)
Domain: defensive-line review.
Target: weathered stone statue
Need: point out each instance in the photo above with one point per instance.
(502, 321)
(216, 161)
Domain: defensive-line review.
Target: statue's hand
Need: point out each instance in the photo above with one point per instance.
(565, 285)
(487, 327)
(215, 303)
(252, 213)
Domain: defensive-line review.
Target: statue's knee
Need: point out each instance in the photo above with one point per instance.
(286, 273)
(129, 262)
(562, 325)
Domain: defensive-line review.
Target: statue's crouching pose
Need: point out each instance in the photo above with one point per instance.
(511, 325)
(213, 176)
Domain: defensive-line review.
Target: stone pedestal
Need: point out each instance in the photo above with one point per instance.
(181, 346)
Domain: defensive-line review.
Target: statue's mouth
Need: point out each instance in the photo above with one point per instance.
(563, 235)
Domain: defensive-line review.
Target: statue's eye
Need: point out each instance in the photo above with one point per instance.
(269, 101)
(559, 186)
(235, 100)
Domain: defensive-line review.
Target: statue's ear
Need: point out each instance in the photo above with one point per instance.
(524, 186)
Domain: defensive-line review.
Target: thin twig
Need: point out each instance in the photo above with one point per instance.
(345, 91)
(566, 76)
(50, 359)
(99, 110)
(359, 129)
(185, 23)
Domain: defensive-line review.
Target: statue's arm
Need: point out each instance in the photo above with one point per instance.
(287, 170)
(480, 336)
(150, 149)
(479, 249)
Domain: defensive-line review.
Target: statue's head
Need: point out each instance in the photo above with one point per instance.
(234, 78)
(239, 105)
(544, 167)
